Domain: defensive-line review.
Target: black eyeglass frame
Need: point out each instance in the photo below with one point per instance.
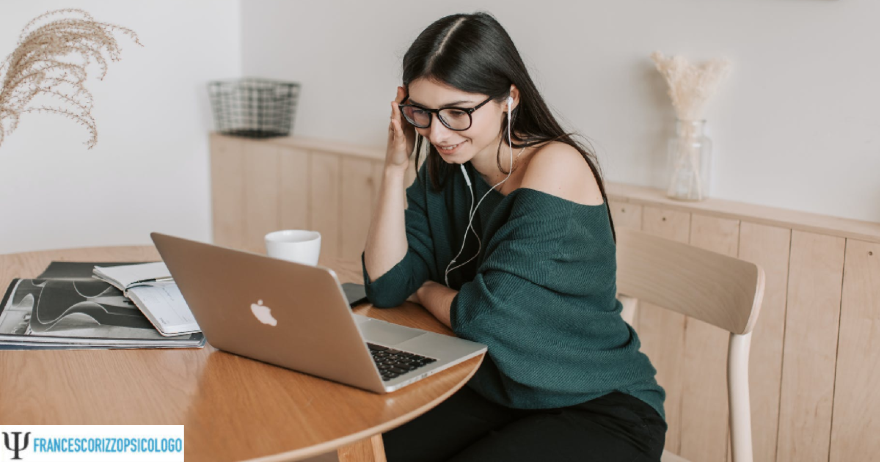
(468, 111)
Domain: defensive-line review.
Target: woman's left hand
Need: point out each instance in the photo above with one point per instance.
(416, 297)
(436, 298)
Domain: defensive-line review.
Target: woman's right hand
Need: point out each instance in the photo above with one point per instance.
(401, 136)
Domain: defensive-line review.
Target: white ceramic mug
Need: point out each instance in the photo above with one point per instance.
(296, 245)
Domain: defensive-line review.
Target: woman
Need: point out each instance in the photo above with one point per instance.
(530, 273)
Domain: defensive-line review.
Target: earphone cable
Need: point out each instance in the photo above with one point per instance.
(473, 211)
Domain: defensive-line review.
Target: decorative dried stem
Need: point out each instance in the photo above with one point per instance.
(688, 149)
(37, 67)
(690, 88)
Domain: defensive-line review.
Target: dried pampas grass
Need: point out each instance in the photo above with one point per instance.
(40, 65)
(690, 86)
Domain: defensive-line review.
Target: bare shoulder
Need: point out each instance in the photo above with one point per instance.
(562, 171)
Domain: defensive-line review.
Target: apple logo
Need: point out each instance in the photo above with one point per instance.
(263, 313)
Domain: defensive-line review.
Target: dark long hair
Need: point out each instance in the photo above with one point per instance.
(473, 53)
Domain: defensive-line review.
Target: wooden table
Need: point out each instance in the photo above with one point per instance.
(232, 408)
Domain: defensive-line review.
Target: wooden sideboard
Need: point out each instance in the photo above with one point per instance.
(815, 356)
(287, 183)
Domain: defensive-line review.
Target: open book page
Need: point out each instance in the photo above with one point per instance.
(76, 270)
(164, 306)
(78, 311)
(123, 277)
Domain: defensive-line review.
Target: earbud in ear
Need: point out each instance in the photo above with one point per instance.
(509, 102)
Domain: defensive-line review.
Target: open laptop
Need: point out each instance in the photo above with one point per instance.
(296, 316)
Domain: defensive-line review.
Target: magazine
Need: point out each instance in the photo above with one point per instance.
(73, 309)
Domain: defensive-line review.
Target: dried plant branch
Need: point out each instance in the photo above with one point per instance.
(690, 88)
(41, 65)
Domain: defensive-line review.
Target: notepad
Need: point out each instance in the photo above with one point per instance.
(163, 304)
(128, 276)
(150, 287)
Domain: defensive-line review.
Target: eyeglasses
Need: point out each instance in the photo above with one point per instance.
(453, 118)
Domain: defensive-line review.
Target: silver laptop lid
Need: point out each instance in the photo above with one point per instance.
(283, 313)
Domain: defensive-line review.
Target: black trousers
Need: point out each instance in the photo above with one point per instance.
(467, 427)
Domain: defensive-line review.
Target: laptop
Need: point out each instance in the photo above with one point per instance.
(297, 317)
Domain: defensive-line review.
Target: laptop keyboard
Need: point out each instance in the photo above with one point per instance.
(393, 363)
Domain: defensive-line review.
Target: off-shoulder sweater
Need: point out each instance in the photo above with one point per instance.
(541, 293)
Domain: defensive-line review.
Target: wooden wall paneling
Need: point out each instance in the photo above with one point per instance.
(626, 215)
(357, 197)
(662, 331)
(704, 408)
(227, 190)
(868, 231)
(325, 206)
(855, 426)
(294, 207)
(809, 355)
(768, 247)
(670, 224)
(262, 188)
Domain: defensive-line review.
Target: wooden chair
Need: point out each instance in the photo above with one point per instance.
(720, 290)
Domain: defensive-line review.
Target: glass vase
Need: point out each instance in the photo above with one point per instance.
(689, 158)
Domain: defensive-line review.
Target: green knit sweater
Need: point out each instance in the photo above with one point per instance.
(541, 293)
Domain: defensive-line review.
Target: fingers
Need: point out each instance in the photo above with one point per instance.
(395, 112)
(398, 124)
(394, 126)
(396, 115)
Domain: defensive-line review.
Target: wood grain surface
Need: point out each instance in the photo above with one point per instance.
(232, 408)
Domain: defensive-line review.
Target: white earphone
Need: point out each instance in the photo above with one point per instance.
(473, 210)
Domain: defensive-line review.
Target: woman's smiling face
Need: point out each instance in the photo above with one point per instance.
(483, 135)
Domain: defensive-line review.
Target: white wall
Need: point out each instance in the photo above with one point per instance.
(796, 125)
(149, 171)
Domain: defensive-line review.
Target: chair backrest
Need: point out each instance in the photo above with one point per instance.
(720, 290)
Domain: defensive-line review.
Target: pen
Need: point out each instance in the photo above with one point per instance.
(166, 278)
